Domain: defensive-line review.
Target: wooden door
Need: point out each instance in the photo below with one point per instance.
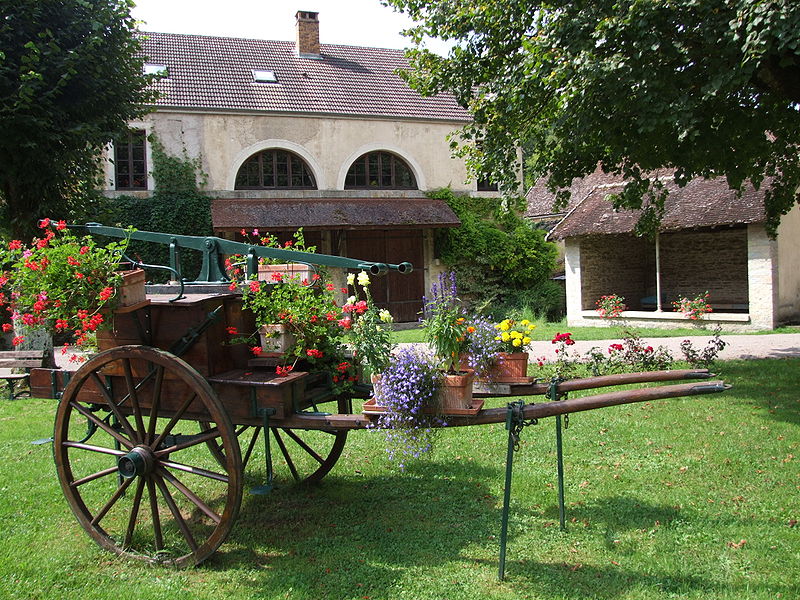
(401, 294)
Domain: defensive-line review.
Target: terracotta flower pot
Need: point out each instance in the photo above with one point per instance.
(275, 337)
(510, 367)
(456, 391)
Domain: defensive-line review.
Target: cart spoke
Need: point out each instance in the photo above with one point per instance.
(91, 448)
(137, 498)
(137, 410)
(113, 406)
(94, 476)
(286, 455)
(207, 436)
(193, 498)
(110, 504)
(102, 425)
(157, 535)
(195, 470)
(173, 421)
(298, 440)
(151, 425)
(176, 513)
(250, 447)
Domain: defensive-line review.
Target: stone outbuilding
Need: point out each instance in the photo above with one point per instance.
(303, 134)
(710, 239)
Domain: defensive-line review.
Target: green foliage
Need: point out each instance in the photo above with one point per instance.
(495, 253)
(176, 206)
(70, 79)
(704, 88)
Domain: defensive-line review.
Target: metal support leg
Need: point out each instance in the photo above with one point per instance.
(553, 395)
(560, 471)
(514, 425)
(265, 489)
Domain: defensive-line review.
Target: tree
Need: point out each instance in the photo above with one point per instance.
(70, 80)
(702, 87)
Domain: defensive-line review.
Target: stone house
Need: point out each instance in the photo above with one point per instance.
(710, 239)
(324, 137)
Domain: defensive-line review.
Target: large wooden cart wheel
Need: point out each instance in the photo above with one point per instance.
(145, 484)
(298, 455)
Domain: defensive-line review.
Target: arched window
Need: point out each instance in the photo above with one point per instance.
(275, 169)
(382, 170)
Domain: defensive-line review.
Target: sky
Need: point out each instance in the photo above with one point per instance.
(351, 22)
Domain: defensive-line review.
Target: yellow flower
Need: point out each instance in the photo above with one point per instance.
(351, 278)
(517, 342)
(505, 336)
(526, 340)
(531, 327)
(363, 279)
(505, 325)
(524, 322)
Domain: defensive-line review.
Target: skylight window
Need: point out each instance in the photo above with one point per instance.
(264, 76)
(153, 69)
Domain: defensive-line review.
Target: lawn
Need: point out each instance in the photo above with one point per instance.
(546, 331)
(684, 498)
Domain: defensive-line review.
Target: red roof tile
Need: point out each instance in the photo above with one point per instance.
(215, 73)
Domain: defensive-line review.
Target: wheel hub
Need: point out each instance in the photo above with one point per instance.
(137, 462)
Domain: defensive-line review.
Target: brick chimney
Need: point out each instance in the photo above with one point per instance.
(307, 34)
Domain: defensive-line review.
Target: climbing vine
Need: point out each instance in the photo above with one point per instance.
(176, 206)
(497, 255)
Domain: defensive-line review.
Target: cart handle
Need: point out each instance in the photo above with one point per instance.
(213, 249)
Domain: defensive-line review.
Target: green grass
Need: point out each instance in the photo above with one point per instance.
(686, 498)
(546, 331)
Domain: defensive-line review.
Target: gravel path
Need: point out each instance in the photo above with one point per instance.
(777, 345)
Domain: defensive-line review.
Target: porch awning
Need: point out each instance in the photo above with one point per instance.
(233, 214)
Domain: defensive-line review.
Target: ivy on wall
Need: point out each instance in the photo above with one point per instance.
(176, 206)
(499, 257)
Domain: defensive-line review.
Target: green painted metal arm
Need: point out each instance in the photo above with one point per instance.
(214, 248)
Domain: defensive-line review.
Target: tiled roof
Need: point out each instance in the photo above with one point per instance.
(231, 214)
(215, 73)
(540, 199)
(701, 203)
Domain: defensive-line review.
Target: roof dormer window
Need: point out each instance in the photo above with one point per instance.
(264, 76)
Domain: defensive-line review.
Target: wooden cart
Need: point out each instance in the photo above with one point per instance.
(153, 434)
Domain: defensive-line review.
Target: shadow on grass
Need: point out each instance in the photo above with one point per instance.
(348, 530)
(769, 384)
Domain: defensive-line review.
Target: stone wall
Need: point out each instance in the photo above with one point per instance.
(615, 264)
(714, 261)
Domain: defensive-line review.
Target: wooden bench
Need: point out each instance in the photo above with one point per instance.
(18, 359)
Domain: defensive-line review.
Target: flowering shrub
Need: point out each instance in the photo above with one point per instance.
(369, 334)
(704, 358)
(693, 308)
(59, 283)
(409, 385)
(634, 355)
(514, 336)
(564, 366)
(610, 306)
(444, 322)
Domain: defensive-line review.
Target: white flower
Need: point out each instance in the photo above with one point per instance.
(385, 316)
(351, 300)
(363, 279)
(351, 278)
